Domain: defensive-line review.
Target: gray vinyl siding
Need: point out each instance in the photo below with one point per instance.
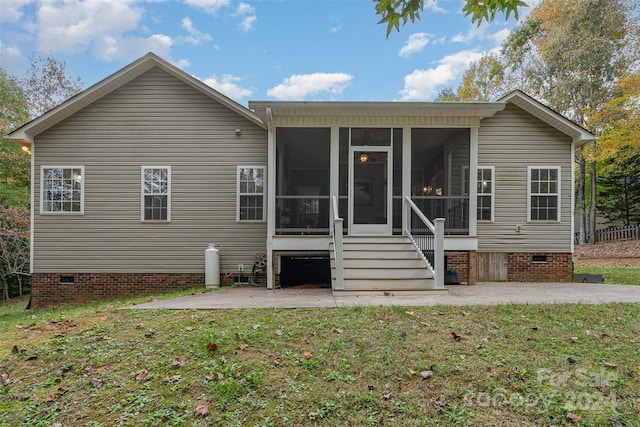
(154, 120)
(511, 141)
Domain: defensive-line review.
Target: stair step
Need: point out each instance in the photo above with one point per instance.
(383, 263)
(388, 285)
(386, 273)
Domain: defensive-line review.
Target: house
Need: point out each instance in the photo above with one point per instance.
(135, 176)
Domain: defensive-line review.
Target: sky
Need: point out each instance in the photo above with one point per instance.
(256, 49)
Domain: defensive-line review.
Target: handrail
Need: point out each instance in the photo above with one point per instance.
(428, 239)
(336, 234)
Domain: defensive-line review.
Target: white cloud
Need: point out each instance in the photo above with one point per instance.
(228, 85)
(422, 84)
(118, 48)
(247, 15)
(480, 33)
(298, 86)
(12, 10)
(415, 44)
(433, 5)
(335, 29)
(195, 36)
(72, 26)
(10, 58)
(75, 26)
(209, 6)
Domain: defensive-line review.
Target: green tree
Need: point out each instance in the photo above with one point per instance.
(571, 54)
(446, 95)
(47, 84)
(484, 80)
(396, 12)
(14, 162)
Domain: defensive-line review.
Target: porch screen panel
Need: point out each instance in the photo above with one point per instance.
(439, 158)
(302, 180)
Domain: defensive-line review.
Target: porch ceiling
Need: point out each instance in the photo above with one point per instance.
(375, 109)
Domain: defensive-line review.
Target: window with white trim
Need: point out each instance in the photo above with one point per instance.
(485, 193)
(250, 197)
(156, 193)
(62, 189)
(544, 193)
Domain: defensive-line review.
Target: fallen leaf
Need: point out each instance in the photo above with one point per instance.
(139, 326)
(571, 360)
(573, 339)
(534, 328)
(279, 332)
(371, 387)
(307, 354)
(337, 330)
(223, 360)
(425, 323)
(243, 347)
(143, 375)
(5, 379)
(201, 409)
(278, 361)
(386, 396)
(178, 361)
(574, 417)
(610, 365)
(410, 313)
(465, 313)
(62, 390)
(189, 328)
(150, 333)
(306, 340)
(96, 382)
(212, 347)
(403, 335)
(14, 349)
(31, 357)
(411, 372)
(172, 379)
(255, 327)
(426, 374)
(455, 336)
(214, 376)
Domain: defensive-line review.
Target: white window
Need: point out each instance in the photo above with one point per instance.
(62, 190)
(250, 198)
(544, 193)
(156, 193)
(485, 193)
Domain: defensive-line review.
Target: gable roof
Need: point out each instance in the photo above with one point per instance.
(578, 134)
(28, 131)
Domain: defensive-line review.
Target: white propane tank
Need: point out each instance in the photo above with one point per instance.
(212, 266)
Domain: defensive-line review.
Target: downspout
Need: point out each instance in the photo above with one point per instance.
(271, 208)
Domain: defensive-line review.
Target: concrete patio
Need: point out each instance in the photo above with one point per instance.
(481, 294)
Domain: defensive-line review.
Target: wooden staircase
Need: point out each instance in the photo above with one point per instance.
(382, 264)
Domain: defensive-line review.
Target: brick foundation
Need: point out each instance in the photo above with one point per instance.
(47, 289)
(458, 261)
(521, 267)
(558, 267)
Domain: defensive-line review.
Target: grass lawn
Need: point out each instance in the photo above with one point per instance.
(611, 274)
(509, 365)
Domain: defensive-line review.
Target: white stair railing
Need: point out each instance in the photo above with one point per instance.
(428, 239)
(336, 234)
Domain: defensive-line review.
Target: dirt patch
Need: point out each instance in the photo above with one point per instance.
(628, 250)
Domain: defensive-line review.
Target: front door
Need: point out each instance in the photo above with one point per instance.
(370, 189)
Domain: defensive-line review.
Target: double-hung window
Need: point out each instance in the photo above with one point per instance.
(544, 193)
(485, 193)
(62, 190)
(250, 196)
(156, 193)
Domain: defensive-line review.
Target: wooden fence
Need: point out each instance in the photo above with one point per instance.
(615, 233)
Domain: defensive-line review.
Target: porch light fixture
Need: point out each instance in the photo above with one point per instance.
(364, 157)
